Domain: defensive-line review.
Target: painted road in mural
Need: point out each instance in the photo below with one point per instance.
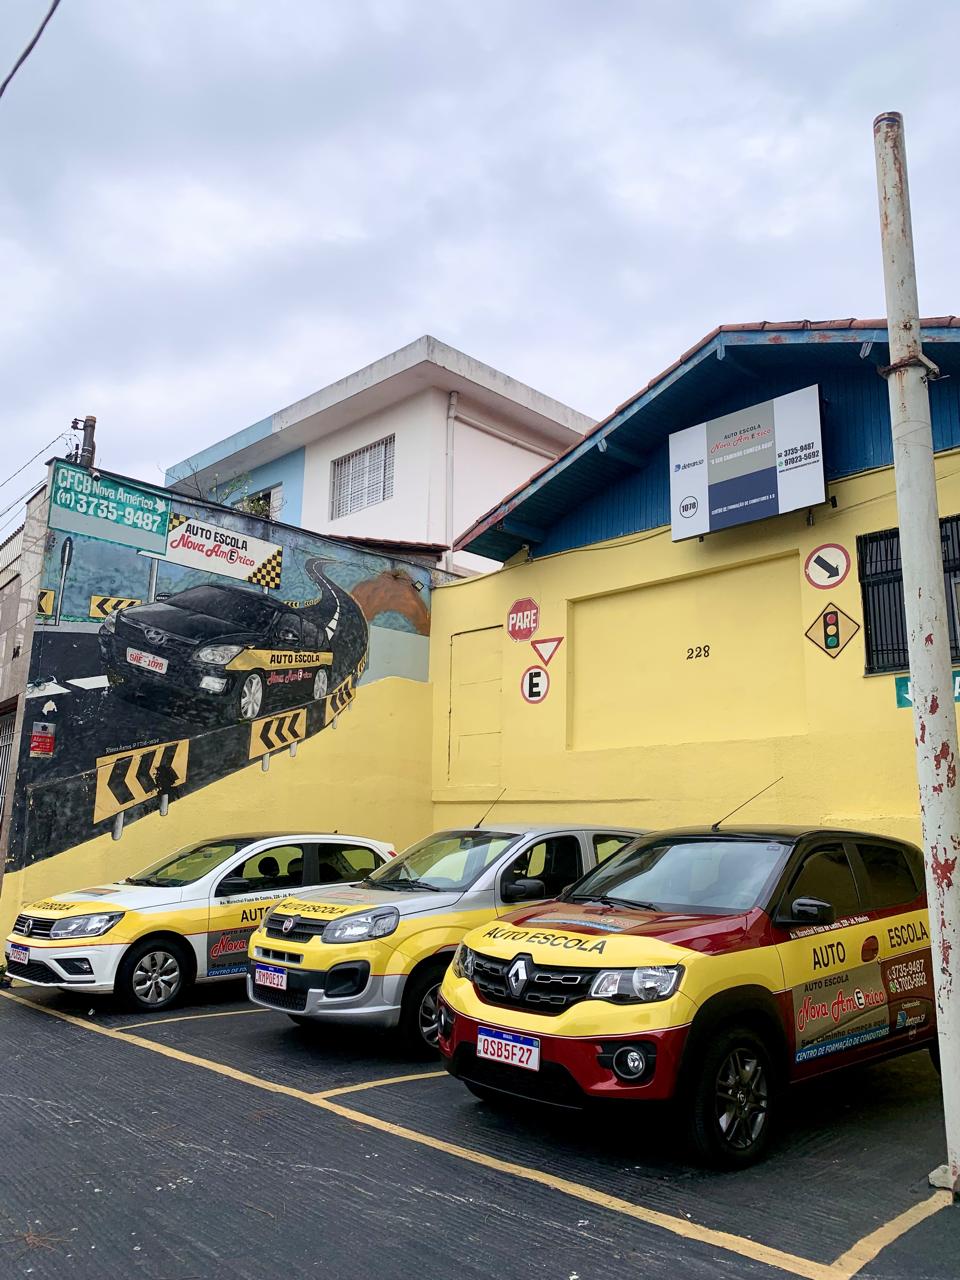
(166, 697)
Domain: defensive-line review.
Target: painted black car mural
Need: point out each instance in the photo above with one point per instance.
(239, 651)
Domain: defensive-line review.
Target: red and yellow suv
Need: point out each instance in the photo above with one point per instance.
(712, 966)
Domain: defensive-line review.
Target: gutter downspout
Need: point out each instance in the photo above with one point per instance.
(448, 531)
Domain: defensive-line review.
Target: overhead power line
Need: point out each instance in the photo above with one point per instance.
(30, 47)
(40, 452)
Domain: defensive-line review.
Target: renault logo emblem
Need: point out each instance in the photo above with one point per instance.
(517, 976)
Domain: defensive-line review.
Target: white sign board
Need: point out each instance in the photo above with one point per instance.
(757, 462)
(225, 551)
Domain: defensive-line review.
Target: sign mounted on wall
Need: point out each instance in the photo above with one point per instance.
(905, 693)
(523, 619)
(212, 547)
(43, 739)
(103, 507)
(535, 684)
(827, 566)
(545, 649)
(832, 631)
(745, 466)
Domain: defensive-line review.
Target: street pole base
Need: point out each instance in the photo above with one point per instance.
(941, 1177)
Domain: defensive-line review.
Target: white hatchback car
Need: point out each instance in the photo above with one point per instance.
(186, 918)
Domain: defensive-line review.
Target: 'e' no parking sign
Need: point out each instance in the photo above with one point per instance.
(535, 684)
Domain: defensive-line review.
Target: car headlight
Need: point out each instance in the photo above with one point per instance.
(464, 961)
(363, 926)
(85, 926)
(643, 985)
(218, 654)
(109, 624)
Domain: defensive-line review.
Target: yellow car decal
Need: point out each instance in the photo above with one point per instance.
(265, 659)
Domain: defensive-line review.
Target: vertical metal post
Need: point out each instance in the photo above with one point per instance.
(934, 716)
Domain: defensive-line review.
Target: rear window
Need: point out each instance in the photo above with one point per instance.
(891, 881)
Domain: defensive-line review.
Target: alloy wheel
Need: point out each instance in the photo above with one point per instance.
(156, 977)
(430, 1016)
(320, 685)
(251, 697)
(742, 1099)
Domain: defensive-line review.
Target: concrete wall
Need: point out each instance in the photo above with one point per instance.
(634, 731)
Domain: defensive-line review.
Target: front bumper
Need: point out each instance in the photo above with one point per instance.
(183, 677)
(375, 1004)
(573, 1069)
(60, 966)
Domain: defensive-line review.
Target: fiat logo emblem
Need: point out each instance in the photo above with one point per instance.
(155, 636)
(288, 924)
(517, 976)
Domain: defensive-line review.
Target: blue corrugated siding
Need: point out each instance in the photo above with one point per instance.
(856, 437)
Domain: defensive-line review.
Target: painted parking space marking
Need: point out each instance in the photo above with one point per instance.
(378, 1084)
(186, 1017)
(852, 1261)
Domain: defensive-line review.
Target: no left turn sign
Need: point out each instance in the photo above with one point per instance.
(827, 566)
(535, 684)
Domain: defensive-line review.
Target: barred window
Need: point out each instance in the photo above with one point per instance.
(881, 585)
(362, 478)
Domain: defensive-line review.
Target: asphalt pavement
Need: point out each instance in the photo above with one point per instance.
(220, 1140)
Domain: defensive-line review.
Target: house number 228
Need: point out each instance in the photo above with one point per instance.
(700, 651)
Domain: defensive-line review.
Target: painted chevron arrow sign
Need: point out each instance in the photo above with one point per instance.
(272, 733)
(131, 777)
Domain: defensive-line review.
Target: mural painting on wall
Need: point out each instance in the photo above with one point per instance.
(174, 650)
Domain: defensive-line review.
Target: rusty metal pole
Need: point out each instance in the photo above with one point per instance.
(934, 716)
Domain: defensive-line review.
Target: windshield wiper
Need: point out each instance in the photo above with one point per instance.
(401, 885)
(609, 901)
(157, 884)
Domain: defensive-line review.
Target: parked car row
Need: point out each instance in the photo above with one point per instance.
(555, 964)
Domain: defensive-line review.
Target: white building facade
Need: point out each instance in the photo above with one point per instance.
(412, 449)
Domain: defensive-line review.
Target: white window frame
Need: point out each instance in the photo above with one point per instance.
(362, 478)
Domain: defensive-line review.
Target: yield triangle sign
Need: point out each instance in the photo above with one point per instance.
(545, 649)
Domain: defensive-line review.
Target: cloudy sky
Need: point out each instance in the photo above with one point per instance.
(210, 208)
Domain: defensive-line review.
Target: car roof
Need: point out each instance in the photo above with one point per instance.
(787, 833)
(249, 837)
(543, 828)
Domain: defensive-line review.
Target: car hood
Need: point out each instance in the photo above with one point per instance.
(328, 903)
(586, 934)
(188, 625)
(103, 897)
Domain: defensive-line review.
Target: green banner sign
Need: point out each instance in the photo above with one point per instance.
(905, 697)
(104, 507)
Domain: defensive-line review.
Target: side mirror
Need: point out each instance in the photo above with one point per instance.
(522, 890)
(808, 911)
(230, 885)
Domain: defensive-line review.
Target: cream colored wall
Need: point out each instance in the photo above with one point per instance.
(369, 776)
(632, 731)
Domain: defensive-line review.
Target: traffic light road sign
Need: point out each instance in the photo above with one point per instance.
(832, 631)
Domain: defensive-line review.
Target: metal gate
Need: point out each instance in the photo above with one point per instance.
(6, 751)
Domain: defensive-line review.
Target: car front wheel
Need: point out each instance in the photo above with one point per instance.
(152, 975)
(250, 697)
(419, 1015)
(733, 1099)
(320, 684)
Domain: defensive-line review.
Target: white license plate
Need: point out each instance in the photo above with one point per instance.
(148, 661)
(507, 1046)
(19, 955)
(267, 976)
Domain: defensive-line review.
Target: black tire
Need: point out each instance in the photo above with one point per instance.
(168, 961)
(418, 1012)
(733, 1098)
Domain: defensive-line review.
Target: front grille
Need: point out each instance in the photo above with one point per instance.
(292, 1001)
(171, 646)
(553, 1083)
(303, 930)
(38, 928)
(285, 957)
(547, 990)
(33, 971)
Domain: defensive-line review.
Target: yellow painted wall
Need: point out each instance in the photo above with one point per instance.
(634, 732)
(369, 776)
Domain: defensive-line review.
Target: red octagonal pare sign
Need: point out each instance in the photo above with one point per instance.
(523, 619)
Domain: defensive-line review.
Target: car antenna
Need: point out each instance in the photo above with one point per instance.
(716, 825)
(487, 812)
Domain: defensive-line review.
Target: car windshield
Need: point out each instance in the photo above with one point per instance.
(696, 876)
(187, 865)
(447, 860)
(243, 608)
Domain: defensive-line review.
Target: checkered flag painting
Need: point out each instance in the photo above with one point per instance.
(268, 574)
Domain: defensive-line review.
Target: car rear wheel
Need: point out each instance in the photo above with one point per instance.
(320, 684)
(250, 698)
(733, 1099)
(153, 974)
(419, 1014)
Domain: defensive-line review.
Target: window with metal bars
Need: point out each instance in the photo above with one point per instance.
(881, 585)
(362, 478)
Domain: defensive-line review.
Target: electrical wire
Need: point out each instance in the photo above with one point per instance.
(23, 497)
(40, 452)
(30, 47)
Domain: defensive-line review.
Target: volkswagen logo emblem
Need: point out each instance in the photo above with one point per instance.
(288, 924)
(27, 927)
(155, 636)
(517, 976)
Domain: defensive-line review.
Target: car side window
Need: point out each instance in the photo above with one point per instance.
(557, 861)
(605, 846)
(311, 636)
(280, 867)
(825, 873)
(288, 628)
(344, 862)
(890, 879)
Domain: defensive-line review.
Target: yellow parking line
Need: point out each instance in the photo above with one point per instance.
(185, 1017)
(376, 1084)
(844, 1268)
